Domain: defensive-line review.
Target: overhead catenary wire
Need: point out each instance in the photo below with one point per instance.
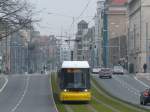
(85, 8)
(75, 19)
(82, 12)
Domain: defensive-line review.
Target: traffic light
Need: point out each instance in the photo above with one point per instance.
(44, 67)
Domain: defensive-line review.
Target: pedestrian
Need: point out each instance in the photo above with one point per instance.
(145, 68)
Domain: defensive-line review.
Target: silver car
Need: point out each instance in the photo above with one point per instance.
(105, 72)
(118, 70)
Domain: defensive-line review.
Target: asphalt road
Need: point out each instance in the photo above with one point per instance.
(27, 94)
(125, 87)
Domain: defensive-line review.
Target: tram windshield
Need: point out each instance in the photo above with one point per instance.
(75, 78)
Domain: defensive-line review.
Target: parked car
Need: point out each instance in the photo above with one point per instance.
(118, 70)
(145, 97)
(96, 70)
(105, 72)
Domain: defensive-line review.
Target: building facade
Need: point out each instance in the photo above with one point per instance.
(42, 53)
(97, 41)
(65, 53)
(18, 53)
(5, 47)
(117, 16)
(89, 46)
(139, 36)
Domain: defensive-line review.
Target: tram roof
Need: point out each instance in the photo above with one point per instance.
(75, 64)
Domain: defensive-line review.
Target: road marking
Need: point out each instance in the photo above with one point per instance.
(22, 97)
(141, 82)
(6, 81)
(36, 74)
(129, 87)
(24, 75)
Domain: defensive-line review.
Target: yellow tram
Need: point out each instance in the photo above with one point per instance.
(74, 81)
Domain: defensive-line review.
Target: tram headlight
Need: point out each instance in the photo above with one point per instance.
(85, 90)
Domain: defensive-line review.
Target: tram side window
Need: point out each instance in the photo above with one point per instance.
(61, 79)
(88, 79)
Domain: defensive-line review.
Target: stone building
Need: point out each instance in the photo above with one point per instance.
(139, 36)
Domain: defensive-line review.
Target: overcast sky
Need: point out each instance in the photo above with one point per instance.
(55, 22)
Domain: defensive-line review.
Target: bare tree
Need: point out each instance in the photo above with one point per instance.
(14, 15)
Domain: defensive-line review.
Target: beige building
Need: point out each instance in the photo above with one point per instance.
(117, 31)
(139, 36)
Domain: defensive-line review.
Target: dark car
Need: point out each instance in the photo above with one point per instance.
(145, 97)
(30, 71)
(105, 72)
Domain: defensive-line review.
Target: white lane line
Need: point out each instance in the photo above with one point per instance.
(6, 81)
(22, 97)
(127, 86)
(24, 75)
(142, 82)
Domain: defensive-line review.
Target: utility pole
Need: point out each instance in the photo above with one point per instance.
(147, 46)
(119, 48)
(6, 61)
(72, 53)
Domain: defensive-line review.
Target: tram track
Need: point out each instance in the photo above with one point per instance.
(106, 105)
(90, 107)
(68, 108)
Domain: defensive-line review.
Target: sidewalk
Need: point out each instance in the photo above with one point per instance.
(142, 75)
